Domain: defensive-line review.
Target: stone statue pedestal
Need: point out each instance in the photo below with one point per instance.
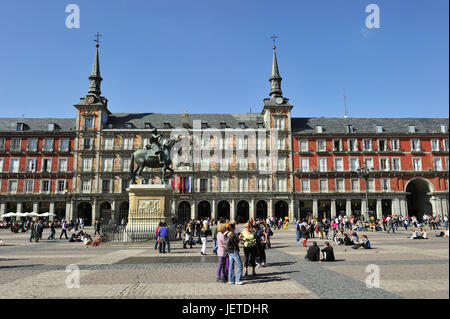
(149, 205)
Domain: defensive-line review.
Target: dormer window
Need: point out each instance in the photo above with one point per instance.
(260, 125)
(166, 125)
(148, 125)
(204, 126)
(186, 126)
(319, 129)
(444, 128)
(242, 125)
(223, 125)
(20, 127)
(411, 129)
(379, 129)
(52, 127)
(349, 128)
(110, 126)
(129, 126)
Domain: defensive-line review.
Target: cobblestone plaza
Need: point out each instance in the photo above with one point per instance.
(408, 269)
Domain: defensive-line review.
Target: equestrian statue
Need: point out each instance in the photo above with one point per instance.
(154, 155)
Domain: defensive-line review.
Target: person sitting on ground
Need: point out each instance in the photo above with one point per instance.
(424, 233)
(313, 253)
(86, 239)
(2, 242)
(328, 253)
(97, 240)
(364, 242)
(415, 234)
(347, 240)
(444, 234)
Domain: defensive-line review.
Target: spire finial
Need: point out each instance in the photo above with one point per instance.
(274, 37)
(97, 39)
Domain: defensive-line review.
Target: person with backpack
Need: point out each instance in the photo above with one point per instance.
(163, 235)
(249, 249)
(232, 248)
(52, 231)
(157, 235)
(260, 236)
(222, 237)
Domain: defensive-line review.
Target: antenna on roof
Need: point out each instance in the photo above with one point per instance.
(345, 105)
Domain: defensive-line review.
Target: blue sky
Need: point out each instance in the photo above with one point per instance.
(214, 56)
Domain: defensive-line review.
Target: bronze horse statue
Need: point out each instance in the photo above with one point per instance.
(159, 158)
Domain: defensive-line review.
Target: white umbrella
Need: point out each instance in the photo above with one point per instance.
(33, 214)
(22, 214)
(44, 215)
(9, 215)
(51, 214)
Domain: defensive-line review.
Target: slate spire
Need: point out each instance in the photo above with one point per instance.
(275, 79)
(95, 79)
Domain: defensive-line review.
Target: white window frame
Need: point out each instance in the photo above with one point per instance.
(57, 186)
(10, 190)
(340, 148)
(353, 169)
(320, 161)
(281, 184)
(388, 188)
(399, 164)
(372, 167)
(306, 189)
(27, 168)
(340, 190)
(303, 145)
(435, 145)
(386, 148)
(304, 168)
(387, 168)
(319, 142)
(108, 164)
(439, 167)
(323, 180)
(44, 145)
(262, 184)
(11, 166)
(83, 163)
(2, 144)
(91, 146)
(364, 141)
(336, 167)
(418, 148)
(25, 186)
(41, 186)
(108, 143)
(355, 145)
(395, 144)
(243, 184)
(49, 166)
(445, 145)
(60, 169)
(12, 143)
(127, 143)
(86, 186)
(28, 144)
(60, 148)
(358, 188)
(419, 161)
(2, 162)
(371, 185)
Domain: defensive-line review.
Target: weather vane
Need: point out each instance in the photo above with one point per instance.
(97, 36)
(273, 37)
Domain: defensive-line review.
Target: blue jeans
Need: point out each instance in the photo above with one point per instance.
(234, 257)
(298, 236)
(215, 246)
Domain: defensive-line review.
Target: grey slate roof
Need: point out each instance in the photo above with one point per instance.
(37, 124)
(157, 120)
(330, 125)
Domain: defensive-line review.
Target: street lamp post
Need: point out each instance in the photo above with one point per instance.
(365, 173)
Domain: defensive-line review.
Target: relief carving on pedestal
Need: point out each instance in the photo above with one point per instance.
(151, 206)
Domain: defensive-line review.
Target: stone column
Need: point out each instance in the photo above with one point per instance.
(379, 209)
(348, 207)
(213, 209)
(113, 210)
(404, 207)
(395, 206)
(95, 211)
(433, 205)
(35, 207)
(252, 209)
(333, 208)
(174, 207)
(315, 208)
(2, 209)
(291, 211)
(270, 208)
(364, 210)
(444, 206)
(69, 211)
(232, 211)
(51, 211)
(19, 207)
(193, 210)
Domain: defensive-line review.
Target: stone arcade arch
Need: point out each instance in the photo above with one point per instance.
(84, 210)
(242, 212)
(184, 212)
(418, 197)
(204, 209)
(281, 209)
(223, 210)
(261, 209)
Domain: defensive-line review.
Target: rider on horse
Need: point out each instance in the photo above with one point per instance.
(156, 145)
